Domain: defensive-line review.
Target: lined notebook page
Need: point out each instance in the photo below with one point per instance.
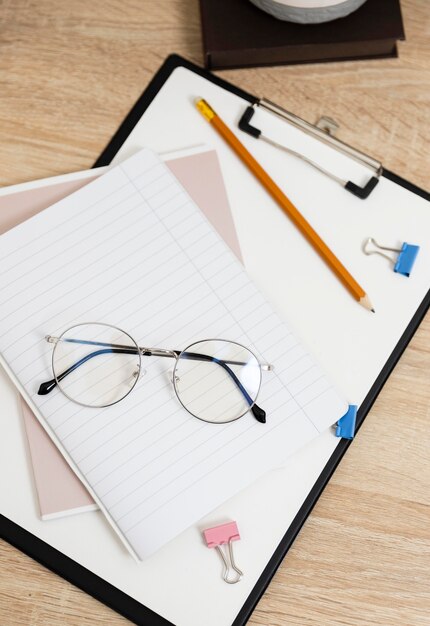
(131, 249)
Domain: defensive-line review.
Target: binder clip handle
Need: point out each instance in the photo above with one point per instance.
(216, 537)
(228, 576)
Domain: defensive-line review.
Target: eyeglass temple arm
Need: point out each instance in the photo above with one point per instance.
(48, 386)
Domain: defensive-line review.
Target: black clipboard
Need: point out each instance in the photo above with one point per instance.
(97, 586)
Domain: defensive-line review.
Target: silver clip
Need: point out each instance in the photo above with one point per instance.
(372, 241)
(226, 574)
(323, 131)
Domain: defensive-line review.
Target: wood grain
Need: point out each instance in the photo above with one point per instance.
(69, 72)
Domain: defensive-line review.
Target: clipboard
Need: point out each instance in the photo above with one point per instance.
(96, 585)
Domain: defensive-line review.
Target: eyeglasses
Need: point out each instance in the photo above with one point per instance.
(98, 365)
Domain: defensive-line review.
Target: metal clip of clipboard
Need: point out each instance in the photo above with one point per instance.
(321, 134)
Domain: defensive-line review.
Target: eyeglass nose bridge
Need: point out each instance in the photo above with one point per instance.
(158, 352)
(173, 377)
(162, 352)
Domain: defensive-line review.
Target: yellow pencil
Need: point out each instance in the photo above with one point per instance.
(286, 205)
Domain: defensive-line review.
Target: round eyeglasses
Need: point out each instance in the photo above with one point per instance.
(98, 365)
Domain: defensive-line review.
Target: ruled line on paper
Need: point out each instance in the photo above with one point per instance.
(155, 267)
(78, 214)
(161, 295)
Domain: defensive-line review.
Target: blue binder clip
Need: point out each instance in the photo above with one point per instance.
(405, 258)
(346, 425)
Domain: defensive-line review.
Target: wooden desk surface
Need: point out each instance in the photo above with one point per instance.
(69, 72)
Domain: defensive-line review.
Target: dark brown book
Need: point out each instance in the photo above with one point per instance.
(238, 34)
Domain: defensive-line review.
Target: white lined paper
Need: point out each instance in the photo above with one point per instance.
(131, 249)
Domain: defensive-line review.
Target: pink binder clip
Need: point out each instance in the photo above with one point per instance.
(225, 534)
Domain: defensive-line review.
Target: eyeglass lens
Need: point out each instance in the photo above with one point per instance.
(95, 364)
(216, 380)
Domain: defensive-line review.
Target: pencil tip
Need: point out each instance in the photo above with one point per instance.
(364, 301)
(373, 310)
